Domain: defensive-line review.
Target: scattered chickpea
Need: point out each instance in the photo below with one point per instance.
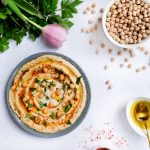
(110, 50)
(129, 66)
(93, 5)
(137, 70)
(119, 53)
(88, 8)
(108, 82)
(91, 41)
(103, 45)
(112, 59)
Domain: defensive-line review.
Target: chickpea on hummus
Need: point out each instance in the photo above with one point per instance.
(48, 94)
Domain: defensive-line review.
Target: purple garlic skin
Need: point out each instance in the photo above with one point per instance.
(54, 35)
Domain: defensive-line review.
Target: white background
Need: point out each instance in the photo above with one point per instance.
(106, 105)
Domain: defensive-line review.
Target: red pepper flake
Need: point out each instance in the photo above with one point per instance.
(106, 133)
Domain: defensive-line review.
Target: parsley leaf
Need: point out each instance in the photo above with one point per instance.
(67, 108)
(78, 80)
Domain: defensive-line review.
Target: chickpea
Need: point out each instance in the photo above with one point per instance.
(72, 86)
(40, 95)
(25, 84)
(62, 77)
(72, 101)
(45, 70)
(51, 105)
(38, 120)
(60, 114)
(45, 110)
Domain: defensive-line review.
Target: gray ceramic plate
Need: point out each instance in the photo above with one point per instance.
(32, 131)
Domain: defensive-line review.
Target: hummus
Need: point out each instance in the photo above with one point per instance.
(48, 94)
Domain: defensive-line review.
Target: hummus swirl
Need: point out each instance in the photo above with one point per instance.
(48, 94)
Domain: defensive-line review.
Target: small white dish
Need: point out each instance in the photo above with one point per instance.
(110, 37)
(128, 114)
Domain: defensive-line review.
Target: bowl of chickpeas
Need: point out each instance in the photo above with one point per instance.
(126, 23)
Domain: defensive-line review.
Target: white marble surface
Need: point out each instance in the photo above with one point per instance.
(106, 105)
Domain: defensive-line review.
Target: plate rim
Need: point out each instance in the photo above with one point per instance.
(33, 131)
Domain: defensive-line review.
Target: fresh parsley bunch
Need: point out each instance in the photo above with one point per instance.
(17, 18)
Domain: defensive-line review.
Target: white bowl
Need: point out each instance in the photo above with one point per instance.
(128, 114)
(110, 37)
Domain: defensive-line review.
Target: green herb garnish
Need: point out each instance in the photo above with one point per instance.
(52, 84)
(32, 89)
(67, 108)
(47, 98)
(53, 115)
(66, 86)
(37, 80)
(44, 123)
(78, 80)
(42, 105)
(29, 104)
(27, 116)
(68, 122)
